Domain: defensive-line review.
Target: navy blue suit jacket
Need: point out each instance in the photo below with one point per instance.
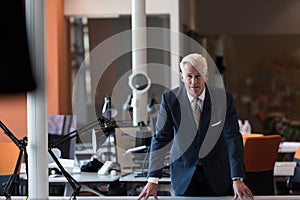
(216, 143)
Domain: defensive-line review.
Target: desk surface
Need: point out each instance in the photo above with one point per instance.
(284, 168)
(165, 198)
(280, 169)
(288, 147)
(85, 177)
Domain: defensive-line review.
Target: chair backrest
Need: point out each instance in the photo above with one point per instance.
(296, 177)
(297, 154)
(245, 136)
(8, 157)
(261, 152)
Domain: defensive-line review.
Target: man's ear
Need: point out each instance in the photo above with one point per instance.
(181, 76)
(206, 77)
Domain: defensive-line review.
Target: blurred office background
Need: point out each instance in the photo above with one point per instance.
(256, 46)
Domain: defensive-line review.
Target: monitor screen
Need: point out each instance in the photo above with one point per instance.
(143, 137)
(59, 125)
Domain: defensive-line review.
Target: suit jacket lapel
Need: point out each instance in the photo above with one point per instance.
(205, 117)
(206, 113)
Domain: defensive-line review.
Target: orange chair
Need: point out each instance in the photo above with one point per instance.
(260, 154)
(293, 182)
(297, 155)
(9, 153)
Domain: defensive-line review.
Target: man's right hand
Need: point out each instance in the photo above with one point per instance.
(149, 189)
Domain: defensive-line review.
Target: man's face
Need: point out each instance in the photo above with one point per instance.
(193, 81)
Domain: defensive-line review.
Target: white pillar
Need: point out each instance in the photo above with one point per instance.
(37, 103)
(139, 57)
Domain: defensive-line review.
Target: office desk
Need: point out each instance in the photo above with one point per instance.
(281, 168)
(86, 180)
(284, 168)
(281, 171)
(165, 198)
(288, 147)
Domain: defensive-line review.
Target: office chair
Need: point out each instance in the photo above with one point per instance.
(245, 136)
(9, 153)
(260, 154)
(293, 182)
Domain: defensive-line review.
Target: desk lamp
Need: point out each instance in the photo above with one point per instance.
(108, 111)
(21, 144)
(107, 127)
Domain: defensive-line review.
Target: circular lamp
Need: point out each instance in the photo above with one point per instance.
(139, 82)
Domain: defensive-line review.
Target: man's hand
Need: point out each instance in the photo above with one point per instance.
(241, 191)
(149, 189)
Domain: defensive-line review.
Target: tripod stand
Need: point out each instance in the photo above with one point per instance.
(21, 144)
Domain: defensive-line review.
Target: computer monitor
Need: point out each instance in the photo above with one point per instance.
(127, 140)
(143, 138)
(59, 125)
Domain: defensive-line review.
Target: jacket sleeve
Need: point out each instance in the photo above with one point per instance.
(161, 141)
(234, 140)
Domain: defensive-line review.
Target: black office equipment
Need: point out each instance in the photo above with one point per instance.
(143, 138)
(16, 69)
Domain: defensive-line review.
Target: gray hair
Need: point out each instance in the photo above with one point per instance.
(195, 60)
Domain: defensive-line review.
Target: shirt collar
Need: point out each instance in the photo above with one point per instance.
(201, 97)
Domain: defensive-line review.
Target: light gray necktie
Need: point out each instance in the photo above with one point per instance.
(196, 110)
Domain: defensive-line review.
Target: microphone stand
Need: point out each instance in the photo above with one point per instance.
(21, 144)
(107, 127)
